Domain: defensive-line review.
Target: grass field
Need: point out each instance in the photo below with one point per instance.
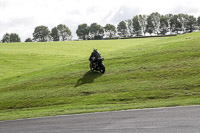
(45, 79)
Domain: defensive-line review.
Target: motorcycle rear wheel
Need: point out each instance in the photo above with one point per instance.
(91, 68)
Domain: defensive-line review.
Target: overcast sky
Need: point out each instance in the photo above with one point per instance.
(22, 16)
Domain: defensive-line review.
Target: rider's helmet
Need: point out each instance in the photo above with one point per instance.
(94, 49)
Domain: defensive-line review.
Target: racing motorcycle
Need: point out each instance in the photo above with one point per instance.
(98, 66)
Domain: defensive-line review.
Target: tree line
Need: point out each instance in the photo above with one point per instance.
(139, 25)
(42, 34)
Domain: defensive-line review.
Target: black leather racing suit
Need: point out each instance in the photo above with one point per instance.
(94, 56)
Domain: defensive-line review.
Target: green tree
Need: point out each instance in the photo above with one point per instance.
(83, 31)
(28, 40)
(163, 25)
(182, 18)
(136, 26)
(64, 32)
(191, 22)
(14, 37)
(54, 34)
(142, 19)
(175, 24)
(6, 38)
(155, 18)
(41, 34)
(198, 22)
(110, 29)
(130, 27)
(122, 29)
(169, 18)
(150, 27)
(96, 31)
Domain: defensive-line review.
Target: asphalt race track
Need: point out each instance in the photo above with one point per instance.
(160, 120)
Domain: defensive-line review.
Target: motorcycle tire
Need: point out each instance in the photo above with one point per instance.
(91, 68)
(102, 69)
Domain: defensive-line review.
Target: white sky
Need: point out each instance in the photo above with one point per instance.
(22, 16)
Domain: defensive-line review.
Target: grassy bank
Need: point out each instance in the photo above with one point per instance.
(44, 79)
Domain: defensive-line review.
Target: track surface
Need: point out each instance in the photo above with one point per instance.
(160, 120)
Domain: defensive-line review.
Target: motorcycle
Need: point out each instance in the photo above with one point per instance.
(98, 66)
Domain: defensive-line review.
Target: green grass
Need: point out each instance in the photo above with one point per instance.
(45, 79)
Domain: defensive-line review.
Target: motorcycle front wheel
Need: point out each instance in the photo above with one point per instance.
(102, 69)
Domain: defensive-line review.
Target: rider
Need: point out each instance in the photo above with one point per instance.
(94, 56)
